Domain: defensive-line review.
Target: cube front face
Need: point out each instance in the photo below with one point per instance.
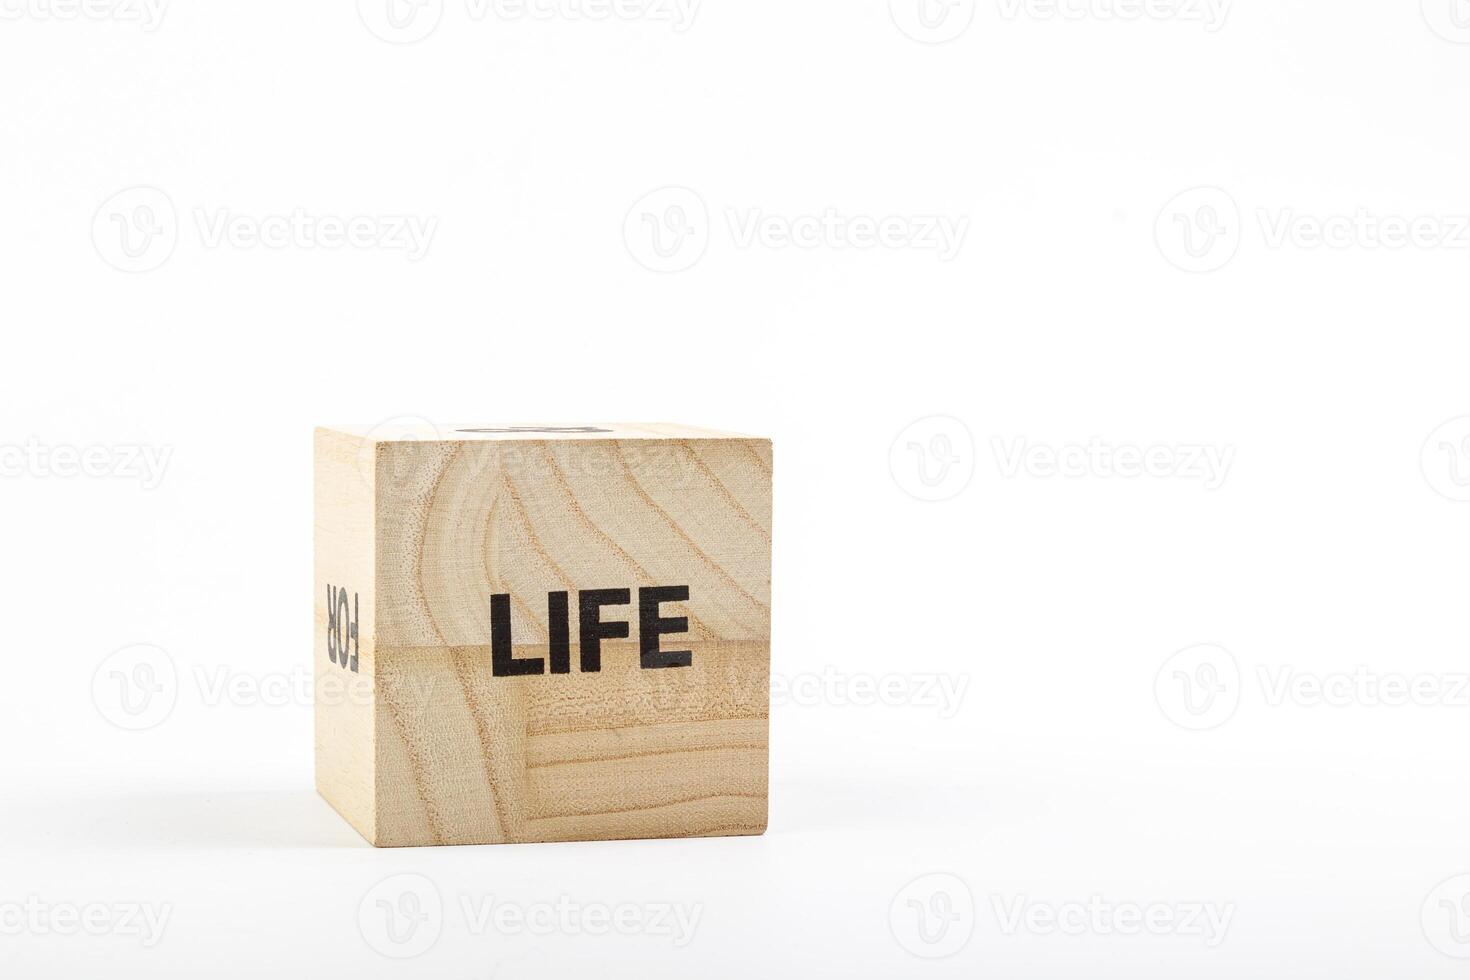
(567, 638)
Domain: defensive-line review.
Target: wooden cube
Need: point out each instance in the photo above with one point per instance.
(542, 633)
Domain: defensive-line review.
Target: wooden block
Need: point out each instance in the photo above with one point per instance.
(542, 634)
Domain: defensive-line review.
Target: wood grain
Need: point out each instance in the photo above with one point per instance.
(462, 756)
(345, 705)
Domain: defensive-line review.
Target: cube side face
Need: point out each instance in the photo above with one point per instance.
(540, 674)
(343, 647)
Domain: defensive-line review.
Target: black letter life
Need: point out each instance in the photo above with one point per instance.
(593, 629)
(651, 625)
(502, 659)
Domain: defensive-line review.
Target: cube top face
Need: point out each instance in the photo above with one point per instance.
(414, 429)
(554, 635)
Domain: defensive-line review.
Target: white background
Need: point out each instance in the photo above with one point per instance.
(1292, 321)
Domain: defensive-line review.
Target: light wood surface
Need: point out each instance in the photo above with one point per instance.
(345, 740)
(457, 755)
